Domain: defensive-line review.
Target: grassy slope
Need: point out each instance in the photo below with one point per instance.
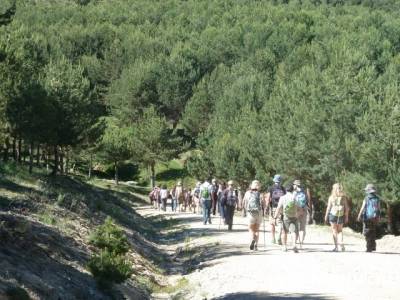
(52, 217)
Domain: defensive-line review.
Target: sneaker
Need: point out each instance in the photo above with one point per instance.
(343, 248)
(284, 248)
(273, 241)
(335, 249)
(255, 248)
(279, 242)
(295, 250)
(253, 242)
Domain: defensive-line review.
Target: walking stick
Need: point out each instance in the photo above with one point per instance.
(264, 226)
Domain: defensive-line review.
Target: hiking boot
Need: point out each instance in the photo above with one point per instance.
(295, 250)
(253, 242)
(343, 248)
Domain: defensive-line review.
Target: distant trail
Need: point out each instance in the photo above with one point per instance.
(232, 271)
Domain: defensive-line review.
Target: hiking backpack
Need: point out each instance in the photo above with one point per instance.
(371, 210)
(290, 208)
(254, 203)
(230, 197)
(205, 193)
(276, 193)
(301, 199)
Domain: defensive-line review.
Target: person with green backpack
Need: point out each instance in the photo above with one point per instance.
(370, 214)
(287, 206)
(337, 214)
(205, 199)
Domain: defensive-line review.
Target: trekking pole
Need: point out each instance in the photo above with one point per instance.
(264, 227)
(219, 226)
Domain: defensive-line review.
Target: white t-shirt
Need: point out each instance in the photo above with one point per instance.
(164, 193)
(208, 186)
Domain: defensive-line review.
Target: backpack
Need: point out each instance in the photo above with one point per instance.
(231, 197)
(337, 209)
(276, 193)
(301, 199)
(371, 210)
(205, 193)
(290, 208)
(254, 203)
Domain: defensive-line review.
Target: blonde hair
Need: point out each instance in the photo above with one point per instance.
(337, 190)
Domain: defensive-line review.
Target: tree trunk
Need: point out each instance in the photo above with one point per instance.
(56, 158)
(14, 147)
(61, 160)
(19, 152)
(6, 148)
(389, 212)
(116, 172)
(90, 165)
(46, 159)
(31, 147)
(67, 161)
(38, 155)
(152, 175)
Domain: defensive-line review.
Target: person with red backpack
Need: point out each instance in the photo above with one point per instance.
(275, 192)
(370, 214)
(229, 202)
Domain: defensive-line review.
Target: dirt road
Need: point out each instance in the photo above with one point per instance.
(229, 270)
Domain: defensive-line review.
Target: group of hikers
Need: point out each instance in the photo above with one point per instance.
(288, 209)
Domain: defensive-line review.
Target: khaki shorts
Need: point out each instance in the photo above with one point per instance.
(302, 219)
(290, 225)
(272, 221)
(254, 217)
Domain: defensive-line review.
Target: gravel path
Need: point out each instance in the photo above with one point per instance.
(229, 270)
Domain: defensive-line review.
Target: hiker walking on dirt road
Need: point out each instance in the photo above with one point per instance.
(272, 199)
(287, 206)
(214, 197)
(229, 202)
(303, 200)
(370, 214)
(254, 210)
(205, 196)
(337, 213)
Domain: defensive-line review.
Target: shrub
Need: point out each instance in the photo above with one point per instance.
(109, 237)
(110, 265)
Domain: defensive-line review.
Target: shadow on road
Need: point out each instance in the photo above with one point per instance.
(261, 296)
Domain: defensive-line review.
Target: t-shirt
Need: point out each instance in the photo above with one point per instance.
(164, 193)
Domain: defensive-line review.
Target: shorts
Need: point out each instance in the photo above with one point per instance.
(302, 220)
(272, 221)
(290, 225)
(336, 220)
(254, 217)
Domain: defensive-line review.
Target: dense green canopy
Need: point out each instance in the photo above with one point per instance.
(308, 89)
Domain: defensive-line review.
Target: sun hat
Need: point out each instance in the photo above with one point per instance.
(255, 185)
(297, 182)
(370, 188)
(230, 182)
(277, 178)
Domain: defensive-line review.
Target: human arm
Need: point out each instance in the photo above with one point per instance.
(328, 209)
(361, 211)
(278, 209)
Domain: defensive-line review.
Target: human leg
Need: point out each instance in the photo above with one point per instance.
(334, 235)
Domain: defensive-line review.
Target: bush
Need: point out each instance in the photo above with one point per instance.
(110, 265)
(108, 268)
(109, 237)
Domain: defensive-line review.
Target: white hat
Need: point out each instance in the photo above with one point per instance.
(230, 182)
(255, 185)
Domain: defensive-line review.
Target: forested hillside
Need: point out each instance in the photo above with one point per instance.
(308, 89)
